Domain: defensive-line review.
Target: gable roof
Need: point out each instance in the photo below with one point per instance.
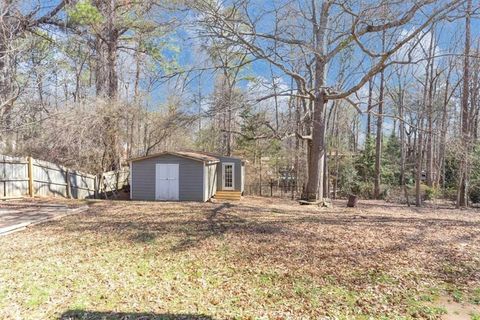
(219, 155)
(184, 154)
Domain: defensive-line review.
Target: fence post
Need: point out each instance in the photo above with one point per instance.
(99, 185)
(95, 188)
(30, 176)
(69, 190)
(118, 178)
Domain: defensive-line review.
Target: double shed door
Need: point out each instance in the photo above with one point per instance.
(166, 181)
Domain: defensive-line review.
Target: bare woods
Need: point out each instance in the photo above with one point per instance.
(324, 98)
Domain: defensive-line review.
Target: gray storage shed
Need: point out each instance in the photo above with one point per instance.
(184, 176)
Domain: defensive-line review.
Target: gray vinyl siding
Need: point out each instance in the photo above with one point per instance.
(237, 172)
(190, 182)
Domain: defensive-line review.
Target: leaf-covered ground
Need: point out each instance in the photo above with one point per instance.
(254, 259)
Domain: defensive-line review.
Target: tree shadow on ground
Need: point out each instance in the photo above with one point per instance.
(393, 205)
(191, 226)
(97, 315)
(224, 218)
(217, 222)
(270, 231)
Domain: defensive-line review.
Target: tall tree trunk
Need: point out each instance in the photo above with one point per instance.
(106, 46)
(7, 36)
(297, 142)
(443, 132)
(463, 185)
(418, 164)
(314, 187)
(316, 156)
(403, 184)
(379, 138)
(106, 51)
(429, 108)
(369, 108)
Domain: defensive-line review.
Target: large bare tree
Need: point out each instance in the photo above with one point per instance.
(316, 32)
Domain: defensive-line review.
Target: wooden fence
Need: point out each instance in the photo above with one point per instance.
(52, 179)
(25, 176)
(14, 180)
(113, 181)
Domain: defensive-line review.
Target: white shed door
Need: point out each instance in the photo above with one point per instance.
(166, 181)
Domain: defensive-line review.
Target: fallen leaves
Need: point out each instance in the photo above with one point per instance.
(246, 260)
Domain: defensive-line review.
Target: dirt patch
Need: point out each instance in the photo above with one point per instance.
(457, 310)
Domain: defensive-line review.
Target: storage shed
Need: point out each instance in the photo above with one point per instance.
(186, 176)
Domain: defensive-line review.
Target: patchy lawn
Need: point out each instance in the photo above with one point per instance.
(258, 258)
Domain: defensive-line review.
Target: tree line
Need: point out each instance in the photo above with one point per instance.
(377, 98)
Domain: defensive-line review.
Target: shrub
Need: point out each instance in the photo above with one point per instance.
(450, 194)
(474, 193)
(451, 171)
(347, 176)
(385, 192)
(431, 193)
(363, 190)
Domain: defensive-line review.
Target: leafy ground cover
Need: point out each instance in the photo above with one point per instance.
(254, 259)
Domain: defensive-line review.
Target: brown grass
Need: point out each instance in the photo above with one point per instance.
(256, 258)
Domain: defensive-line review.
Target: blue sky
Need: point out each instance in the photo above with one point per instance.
(190, 56)
(262, 69)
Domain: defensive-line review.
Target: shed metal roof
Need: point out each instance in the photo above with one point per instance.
(184, 154)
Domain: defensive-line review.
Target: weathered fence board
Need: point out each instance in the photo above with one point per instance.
(82, 185)
(50, 179)
(13, 176)
(47, 179)
(115, 180)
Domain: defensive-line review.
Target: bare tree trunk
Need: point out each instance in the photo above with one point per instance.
(229, 134)
(443, 131)
(418, 164)
(336, 138)
(326, 177)
(463, 185)
(106, 47)
(275, 97)
(8, 33)
(379, 138)
(316, 155)
(403, 184)
(432, 79)
(314, 187)
(369, 108)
